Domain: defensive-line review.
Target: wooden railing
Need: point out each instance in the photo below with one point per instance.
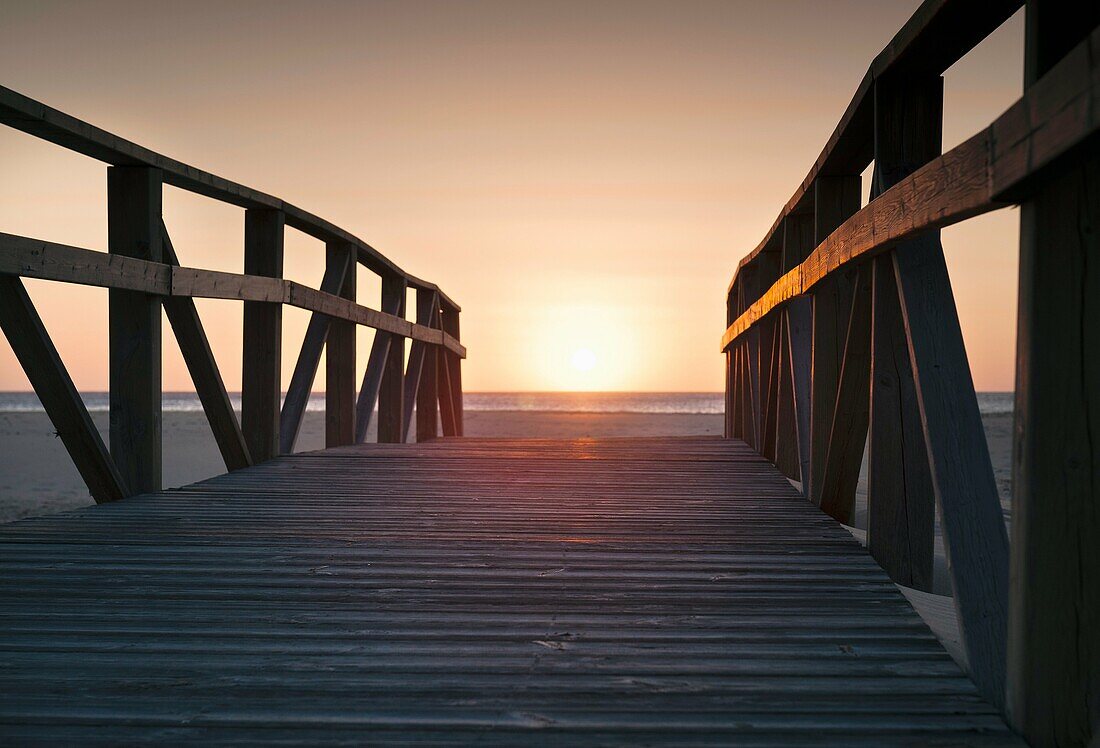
(143, 273)
(842, 333)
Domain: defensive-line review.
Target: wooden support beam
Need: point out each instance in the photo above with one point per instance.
(836, 198)
(427, 393)
(261, 392)
(798, 242)
(134, 230)
(900, 498)
(183, 316)
(800, 348)
(738, 393)
(446, 404)
(372, 376)
(47, 374)
(727, 418)
(1054, 597)
(418, 365)
(973, 524)
(786, 434)
(309, 358)
(848, 434)
(754, 406)
(391, 409)
(989, 171)
(771, 404)
(452, 327)
(908, 131)
(340, 355)
(727, 427)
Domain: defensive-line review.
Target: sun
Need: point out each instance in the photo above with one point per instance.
(583, 359)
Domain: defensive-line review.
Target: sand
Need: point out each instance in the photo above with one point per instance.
(37, 477)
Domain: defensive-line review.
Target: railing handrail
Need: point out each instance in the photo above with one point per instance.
(143, 275)
(37, 258)
(934, 38)
(844, 349)
(35, 118)
(1016, 147)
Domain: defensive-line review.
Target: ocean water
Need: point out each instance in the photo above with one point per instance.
(547, 402)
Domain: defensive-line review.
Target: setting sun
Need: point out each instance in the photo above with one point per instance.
(583, 359)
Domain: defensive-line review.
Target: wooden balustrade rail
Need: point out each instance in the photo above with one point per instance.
(143, 274)
(842, 335)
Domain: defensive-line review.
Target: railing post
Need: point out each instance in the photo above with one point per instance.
(340, 355)
(901, 510)
(134, 230)
(900, 495)
(391, 406)
(261, 391)
(727, 417)
(836, 198)
(908, 118)
(427, 393)
(1054, 619)
(848, 433)
(453, 365)
(793, 392)
(800, 342)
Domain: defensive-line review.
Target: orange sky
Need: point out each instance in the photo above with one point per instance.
(578, 175)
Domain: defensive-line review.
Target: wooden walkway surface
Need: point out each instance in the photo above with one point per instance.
(630, 591)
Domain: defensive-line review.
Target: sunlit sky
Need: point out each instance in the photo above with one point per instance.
(581, 176)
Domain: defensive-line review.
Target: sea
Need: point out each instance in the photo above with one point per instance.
(989, 403)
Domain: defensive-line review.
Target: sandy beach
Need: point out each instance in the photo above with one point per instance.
(37, 477)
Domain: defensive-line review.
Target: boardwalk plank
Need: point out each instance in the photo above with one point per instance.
(499, 591)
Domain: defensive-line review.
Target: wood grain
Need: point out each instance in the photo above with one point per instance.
(134, 322)
(26, 114)
(835, 200)
(982, 174)
(848, 434)
(203, 368)
(54, 387)
(309, 359)
(391, 408)
(975, 539)
(261, 377)
(1054, 598)
(503, 592)
(340, 391)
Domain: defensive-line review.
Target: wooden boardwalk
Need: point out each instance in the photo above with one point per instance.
(630, 591)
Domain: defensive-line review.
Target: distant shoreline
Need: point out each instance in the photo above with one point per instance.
(609, 403)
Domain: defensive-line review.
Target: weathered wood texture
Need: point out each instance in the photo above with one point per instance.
(848, 433)
(261, 391)
(900, 496)
(134, 230)
(50, 379)
(195, 348)
(987, 172)
(536, 592)
(1054, 620)
(835, 200)
(391, 388)
(34, 258)
(340, 357)
(901, 509)
(934, 38)
(309, 358)
(47, 123)
(800, 344)
(427, 391)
